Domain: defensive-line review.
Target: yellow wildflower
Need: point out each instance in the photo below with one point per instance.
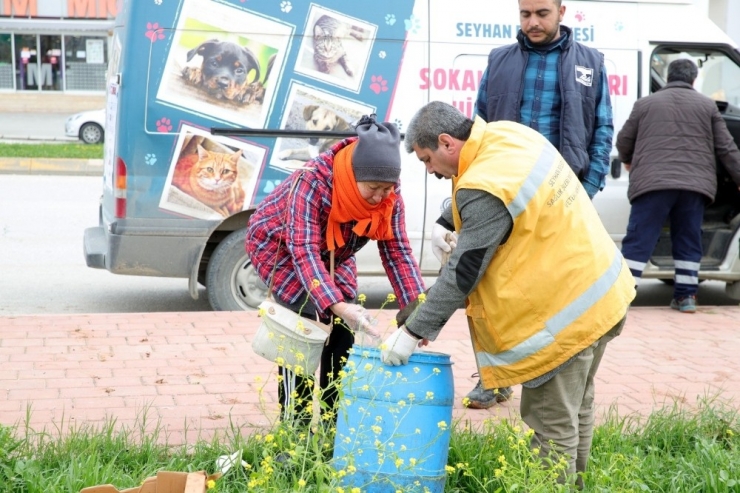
(442, 425)
(211, 484)
(361, 298)
(391, 298)
(355, 490)
(262, 312)
(422, 297)
(449, 469)
(399, 462)
(301, 482)
(430, 395)
(316, 283)
(465, 401)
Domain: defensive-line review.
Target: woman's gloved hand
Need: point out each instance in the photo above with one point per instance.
(357, 318)
(443, 242)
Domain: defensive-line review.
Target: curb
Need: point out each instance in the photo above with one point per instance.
(49, 166)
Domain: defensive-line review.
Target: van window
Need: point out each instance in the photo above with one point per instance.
(719, 76)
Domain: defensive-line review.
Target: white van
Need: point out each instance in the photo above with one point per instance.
(265, 86)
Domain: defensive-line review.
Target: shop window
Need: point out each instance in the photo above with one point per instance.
(6, 61)
(86, 59)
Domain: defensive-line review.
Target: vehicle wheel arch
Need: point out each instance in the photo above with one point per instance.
(219, 234)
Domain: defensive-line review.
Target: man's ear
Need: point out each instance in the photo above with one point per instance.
(446, 142)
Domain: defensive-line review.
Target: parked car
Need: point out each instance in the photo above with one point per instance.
(87, 126)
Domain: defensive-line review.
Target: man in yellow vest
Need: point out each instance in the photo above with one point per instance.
(545, 287)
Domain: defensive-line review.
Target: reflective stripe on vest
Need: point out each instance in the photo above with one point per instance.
(559, 322)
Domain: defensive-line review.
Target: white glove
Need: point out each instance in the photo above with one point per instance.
(357, 318)
(398, 348)
(443, 242)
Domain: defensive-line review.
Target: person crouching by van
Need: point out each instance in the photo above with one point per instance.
(669, 144)
(346, 197)
(545, 287)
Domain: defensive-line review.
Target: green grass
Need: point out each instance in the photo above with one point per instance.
(55, 151)
(672, 450)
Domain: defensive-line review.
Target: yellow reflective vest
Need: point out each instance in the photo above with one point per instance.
(559, 282)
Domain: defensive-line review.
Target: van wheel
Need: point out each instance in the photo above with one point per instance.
(91, 133)
(231, 281)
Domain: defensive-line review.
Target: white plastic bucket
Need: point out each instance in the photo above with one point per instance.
(289, 339)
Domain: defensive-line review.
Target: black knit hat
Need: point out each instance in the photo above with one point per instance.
(377, 155)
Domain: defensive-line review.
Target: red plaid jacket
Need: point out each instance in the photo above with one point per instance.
(291, 230)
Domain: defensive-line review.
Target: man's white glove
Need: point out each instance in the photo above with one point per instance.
(398, 348)
(357, 318)
(443, 242)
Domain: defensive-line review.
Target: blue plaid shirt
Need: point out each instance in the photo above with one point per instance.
(540, 110)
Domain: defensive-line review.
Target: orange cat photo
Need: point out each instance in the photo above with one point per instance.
(211, 178)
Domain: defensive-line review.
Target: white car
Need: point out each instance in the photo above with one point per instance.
(87, 126)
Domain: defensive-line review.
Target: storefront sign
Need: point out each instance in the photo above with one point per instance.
(75, 9)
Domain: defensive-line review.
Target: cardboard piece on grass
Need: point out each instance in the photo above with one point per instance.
(163, 482)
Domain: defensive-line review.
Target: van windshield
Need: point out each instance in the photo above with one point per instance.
(719, 76)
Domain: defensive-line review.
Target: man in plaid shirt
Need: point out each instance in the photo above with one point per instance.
(342, 199)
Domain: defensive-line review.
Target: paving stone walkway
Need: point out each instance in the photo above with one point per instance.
(197, 375)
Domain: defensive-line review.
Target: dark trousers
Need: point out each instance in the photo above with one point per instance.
(295, 392)
(649, 212)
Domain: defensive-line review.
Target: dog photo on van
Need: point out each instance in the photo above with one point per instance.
(308, 108)
(210, 177)
(213, 69)
(335, 48)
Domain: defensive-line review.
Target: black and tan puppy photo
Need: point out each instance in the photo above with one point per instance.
(224, 71)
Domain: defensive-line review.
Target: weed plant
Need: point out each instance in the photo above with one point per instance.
(675, 449)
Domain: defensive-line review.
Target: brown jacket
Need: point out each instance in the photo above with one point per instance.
(671, 140)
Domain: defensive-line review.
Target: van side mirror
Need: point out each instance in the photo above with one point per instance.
(616, 170)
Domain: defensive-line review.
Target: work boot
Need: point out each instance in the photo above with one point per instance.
(687, 304)
(480, 398)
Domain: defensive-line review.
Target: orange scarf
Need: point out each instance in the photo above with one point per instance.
(373, 221)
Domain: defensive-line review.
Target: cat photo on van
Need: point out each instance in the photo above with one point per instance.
(335, 48)
(210, 178)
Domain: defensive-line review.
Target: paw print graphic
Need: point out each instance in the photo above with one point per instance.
(150, 159)
(618, 26)
(286, 6)
(153, 31)
(378, 84)
(412, 24)
(164, 125)
(390, 19)
(580, 16)
(270, 185)
(399, 124)
(381, 54)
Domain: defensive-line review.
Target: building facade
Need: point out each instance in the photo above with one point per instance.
(55, 46)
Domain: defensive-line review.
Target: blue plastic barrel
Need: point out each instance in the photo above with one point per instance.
(394, 422)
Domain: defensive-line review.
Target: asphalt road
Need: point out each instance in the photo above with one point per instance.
(42, 269)
(34, 127)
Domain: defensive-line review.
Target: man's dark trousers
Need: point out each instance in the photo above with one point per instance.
(649, 212)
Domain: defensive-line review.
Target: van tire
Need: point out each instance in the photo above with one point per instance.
(231, 282)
